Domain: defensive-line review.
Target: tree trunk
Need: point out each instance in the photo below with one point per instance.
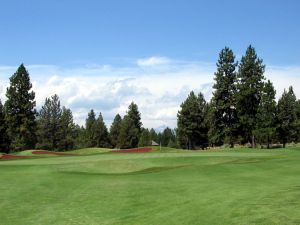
(283, 144)
(268, 142)
(253, 142)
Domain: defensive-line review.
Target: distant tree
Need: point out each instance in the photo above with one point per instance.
(68, 134)
(80, 138)
(135, 115)
(191, 124)
(101, 133)
(130, 128)
(145, 139)
(90, 122)
(153, 135)
(287, 116)
(129, 133)
(49, 132)
(250, 85)
(266, 115)
(115, 130)
(19, 111)
(223, 106)
(168, 137)
(297, 139)
(4, 141)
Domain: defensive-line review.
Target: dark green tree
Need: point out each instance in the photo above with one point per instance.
(250, 85)
(68, 134)
(115, 130)
(101, 133)
(49, 132)
(154, 136)
(145, 138)
(4, 141)
(20, 111)
(130, 128)
(266, 115)
(91, 139)
(135, 115)
(192, 128)
(223, 106)
(287, 116)
(168, 137)
(129, 133)
(80, 138)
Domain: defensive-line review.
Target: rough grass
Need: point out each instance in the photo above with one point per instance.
(240, 186)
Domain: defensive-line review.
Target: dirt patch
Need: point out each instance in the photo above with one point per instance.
(9, 157)
(43, 152)
(134, 150)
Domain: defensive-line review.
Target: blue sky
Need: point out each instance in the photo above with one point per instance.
(127, 43)
(68, 32)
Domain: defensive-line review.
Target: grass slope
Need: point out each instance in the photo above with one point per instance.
(168, 187)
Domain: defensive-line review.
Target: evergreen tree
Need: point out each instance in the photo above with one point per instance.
(49, 131)
(129, 133)
(115, 130)
(191, 124)
(223, 107)
(20, 112)
(153, 136)
(145, 138)
(4, 141)
(90, 129)
(266, 115)
(287, 116)
(250, 85)
(130, 128)
(80, 138)
(167, 136)
(101, 133)
(134, 114)
(68, 134)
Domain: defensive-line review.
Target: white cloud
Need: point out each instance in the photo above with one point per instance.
(153, 61)
(107, 89)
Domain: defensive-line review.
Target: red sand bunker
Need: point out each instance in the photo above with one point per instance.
(9, 157)
(134, 150)
(43, 152)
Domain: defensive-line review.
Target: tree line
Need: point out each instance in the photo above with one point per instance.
(53, 128)
(243, 110)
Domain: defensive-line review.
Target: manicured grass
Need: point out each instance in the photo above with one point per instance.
(240, 186)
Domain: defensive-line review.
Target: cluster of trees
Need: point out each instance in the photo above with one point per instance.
(52, 127)
(243, 108)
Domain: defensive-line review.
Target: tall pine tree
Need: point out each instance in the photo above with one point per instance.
(130, 128)
(68, 129)
(115, 130)
(266, 115)
(192, 127)
(101, 133)
(250, 85)
(223, 106)
(49, 131)
(20, 111)
(4, 141)
(90, 129)
(287, 116)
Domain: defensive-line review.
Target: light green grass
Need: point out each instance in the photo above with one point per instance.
(90, 151)
(240, 186)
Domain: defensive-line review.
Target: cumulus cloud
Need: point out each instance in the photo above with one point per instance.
(109, 90)
(153, 61)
